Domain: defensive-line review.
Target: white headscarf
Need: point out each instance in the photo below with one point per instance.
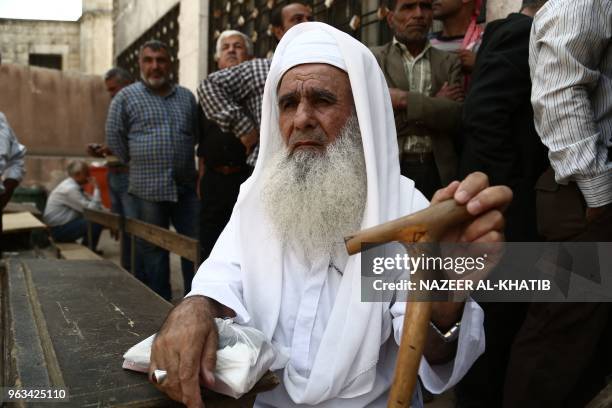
(345, 364)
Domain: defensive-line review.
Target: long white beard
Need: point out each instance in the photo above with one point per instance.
(314, 199)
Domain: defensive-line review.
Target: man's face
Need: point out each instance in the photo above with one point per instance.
(113, 86)
(82, 177)
(233, 52)
(410, 20)
(314, 101)
(446, 8)
(155, 67)
(293, 14)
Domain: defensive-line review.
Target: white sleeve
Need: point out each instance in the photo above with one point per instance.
(568, 48)
(219, 277)
(12, 153)
(471, 342)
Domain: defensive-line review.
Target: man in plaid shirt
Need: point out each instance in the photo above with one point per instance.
(152, 126)
(232, 97)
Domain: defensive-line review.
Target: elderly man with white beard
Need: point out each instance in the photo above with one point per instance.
(327, 167)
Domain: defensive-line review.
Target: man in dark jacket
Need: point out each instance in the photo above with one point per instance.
(500, 140)
(500, 136)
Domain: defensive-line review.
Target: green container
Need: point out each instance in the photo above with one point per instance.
(35, 195)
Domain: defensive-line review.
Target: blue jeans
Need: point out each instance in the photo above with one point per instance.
(184, 216)
(76, 229)
(123, 204)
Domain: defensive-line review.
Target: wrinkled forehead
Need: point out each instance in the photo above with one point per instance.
(232, 39)
(319, 75)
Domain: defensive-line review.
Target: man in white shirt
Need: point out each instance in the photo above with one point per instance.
(64, 210)
(12, 163)
(327, 167)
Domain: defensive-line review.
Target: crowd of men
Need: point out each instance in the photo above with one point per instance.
(297, 151)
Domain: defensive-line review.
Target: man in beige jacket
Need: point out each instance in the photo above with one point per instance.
(426, 92)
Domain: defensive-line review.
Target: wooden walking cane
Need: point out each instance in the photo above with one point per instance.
(428, 225)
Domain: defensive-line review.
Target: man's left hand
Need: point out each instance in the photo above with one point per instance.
(484, 202)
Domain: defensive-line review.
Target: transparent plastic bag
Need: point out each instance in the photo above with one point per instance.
(243, 357)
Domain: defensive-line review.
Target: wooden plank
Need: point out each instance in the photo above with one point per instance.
(93, 312)
(104, 218)
(12, 207)
(169, 240)
(84, 315)
(73, 251)
(23, 221)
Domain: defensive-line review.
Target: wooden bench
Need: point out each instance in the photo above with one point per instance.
(67, 324)
(174, 242)
(74, 251)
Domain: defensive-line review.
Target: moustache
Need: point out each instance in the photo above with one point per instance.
(307, 137)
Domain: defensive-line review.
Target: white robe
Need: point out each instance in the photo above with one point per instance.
(306, 304)
(333, 349)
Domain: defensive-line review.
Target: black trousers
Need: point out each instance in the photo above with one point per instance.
(424, 174)
(219, 193)
(562, 354)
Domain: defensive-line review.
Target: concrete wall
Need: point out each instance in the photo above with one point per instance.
(96, 36)
(134, 17)
(497, 9)
(20, 38)
(193, 42)
(54, 114)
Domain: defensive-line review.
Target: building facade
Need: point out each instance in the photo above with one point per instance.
(83, 46)
(191, 27)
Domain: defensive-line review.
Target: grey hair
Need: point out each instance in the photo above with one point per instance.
(120, 74)
(76, 166)
(228, 33)
(155, 45)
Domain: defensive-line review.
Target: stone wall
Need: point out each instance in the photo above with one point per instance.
(497, 9)
(54, 114)
(20, 38)
(96, 36)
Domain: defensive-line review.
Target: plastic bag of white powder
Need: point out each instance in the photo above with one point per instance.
(243, 357)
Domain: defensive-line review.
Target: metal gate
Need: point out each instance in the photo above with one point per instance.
(365, 20)
(165, 29)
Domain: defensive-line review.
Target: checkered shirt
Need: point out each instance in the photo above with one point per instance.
(232, 98)
(156, 136)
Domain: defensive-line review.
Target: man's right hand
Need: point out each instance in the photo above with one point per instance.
(249, 140)
(452, 92)
(98, 150)
(186, 348)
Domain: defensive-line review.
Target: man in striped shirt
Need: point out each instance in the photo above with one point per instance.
(561, 356)
(152, 127)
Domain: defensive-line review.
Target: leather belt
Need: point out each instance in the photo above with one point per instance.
(227, 170)
(427, 157)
